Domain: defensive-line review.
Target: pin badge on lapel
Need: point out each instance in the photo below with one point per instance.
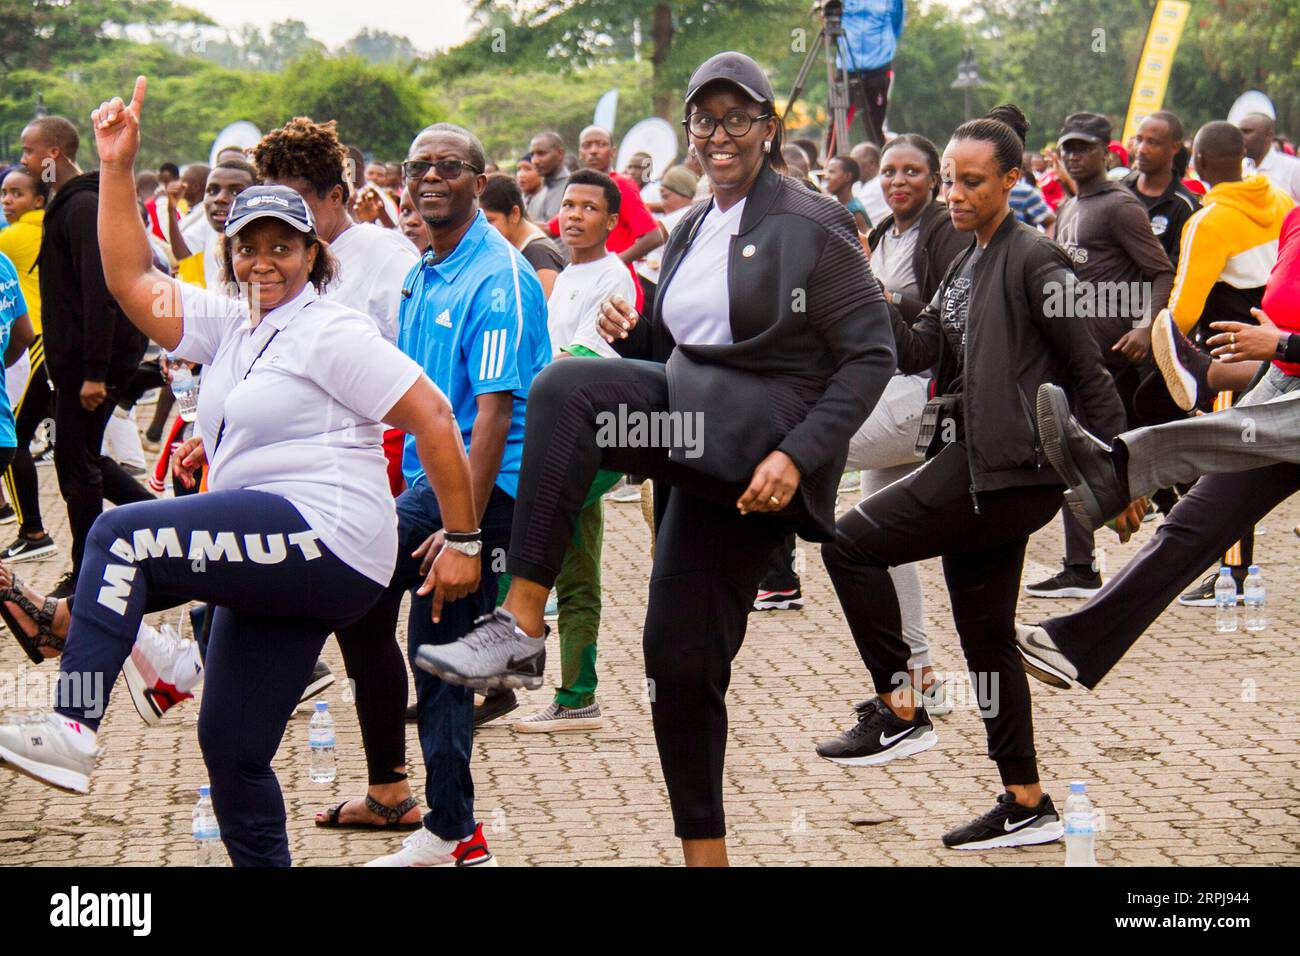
(748, 251)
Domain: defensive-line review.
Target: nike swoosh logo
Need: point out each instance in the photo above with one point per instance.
(1012, 827)
(885, 742)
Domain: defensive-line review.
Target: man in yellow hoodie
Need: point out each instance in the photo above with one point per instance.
(1227, 251)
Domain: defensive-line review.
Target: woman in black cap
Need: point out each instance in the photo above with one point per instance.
(297, 534)
(768, 345)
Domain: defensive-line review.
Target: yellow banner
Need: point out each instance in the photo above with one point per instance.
(1156, 62)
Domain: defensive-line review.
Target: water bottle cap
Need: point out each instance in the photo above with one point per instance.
(322, 705)
(1223, 571)
(1253, 569)
(205, 790)
(1078, 786)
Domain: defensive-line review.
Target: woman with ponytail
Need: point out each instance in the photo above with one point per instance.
(992, 336)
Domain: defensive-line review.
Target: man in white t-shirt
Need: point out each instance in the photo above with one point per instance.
(588, 212)
(1258, 130)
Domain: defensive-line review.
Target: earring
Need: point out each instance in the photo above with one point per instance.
(691, 149)
(767, 146)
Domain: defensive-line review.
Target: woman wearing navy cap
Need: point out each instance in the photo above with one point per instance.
(297, 535)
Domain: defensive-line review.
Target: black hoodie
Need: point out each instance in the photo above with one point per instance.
(87, 338)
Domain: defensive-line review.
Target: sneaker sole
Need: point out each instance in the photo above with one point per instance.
(30, 554)
(793, 604)
(1179, 382)
(138, 687)
(565, 725)
(10, 518)
(1048, 833)
(315, 687)
(904, 749)
(60, 778)
(1062, 592)
(490, 861)
(511, 680)
(1041, 670)
(1051, 409)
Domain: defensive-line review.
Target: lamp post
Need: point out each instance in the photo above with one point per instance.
(968, 76)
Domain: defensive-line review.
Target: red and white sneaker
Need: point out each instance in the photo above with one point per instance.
(160, 671)
(423, 848)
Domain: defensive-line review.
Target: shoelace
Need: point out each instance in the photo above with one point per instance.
(485, 633)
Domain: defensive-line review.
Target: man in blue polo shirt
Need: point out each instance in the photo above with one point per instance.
(473, 314)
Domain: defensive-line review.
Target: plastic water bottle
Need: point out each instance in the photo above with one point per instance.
(1225, 602)
(207, 835)
(321, 735)
(1253, 592)
(1080, 827)
(186, 390)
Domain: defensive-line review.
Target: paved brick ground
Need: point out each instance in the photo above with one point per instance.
(1190, 746)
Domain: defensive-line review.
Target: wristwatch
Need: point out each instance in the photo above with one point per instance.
(1280, 352)
(468, 543)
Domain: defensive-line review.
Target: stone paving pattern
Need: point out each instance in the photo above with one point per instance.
(1190, 747)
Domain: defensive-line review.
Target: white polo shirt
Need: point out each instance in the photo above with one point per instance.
(573, 310)
(373, 263)
(304, 423)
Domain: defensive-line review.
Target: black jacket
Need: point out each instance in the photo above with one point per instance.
(1012, 346)
(807, 315)
(1169, 213)
(87, 338)
(938, 244)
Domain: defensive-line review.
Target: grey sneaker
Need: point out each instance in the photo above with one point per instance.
(43, 747)
(555, 719)
(495, 654)
(1043, 659)
(935, 699)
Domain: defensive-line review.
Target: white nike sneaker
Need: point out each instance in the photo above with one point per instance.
(1043, 659)
(423, 848)
(50, 748)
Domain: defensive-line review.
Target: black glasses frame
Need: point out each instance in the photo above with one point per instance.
(713, 123)
(447, 168)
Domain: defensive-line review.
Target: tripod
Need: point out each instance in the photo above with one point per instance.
(837, 79)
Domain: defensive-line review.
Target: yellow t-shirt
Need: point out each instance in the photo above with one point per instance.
(21, 242)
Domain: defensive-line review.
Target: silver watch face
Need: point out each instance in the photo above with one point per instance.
(467, 548)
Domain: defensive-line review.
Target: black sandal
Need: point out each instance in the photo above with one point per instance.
(43, 617)
(391, 815)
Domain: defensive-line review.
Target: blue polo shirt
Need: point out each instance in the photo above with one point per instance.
(476, 323)
(12, 305)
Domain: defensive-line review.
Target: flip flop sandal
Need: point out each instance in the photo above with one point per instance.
(42, 616)
(390, 814)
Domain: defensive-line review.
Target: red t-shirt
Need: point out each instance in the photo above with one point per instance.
(634, 221)
(1282, 292)
(1052, 190)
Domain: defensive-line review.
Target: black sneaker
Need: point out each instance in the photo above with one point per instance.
(1073, 581)
(780, 600)
(1008, 824)
(1202, 595)
(879, 737)
(1182, 365)
(66, 587)
(1098, 492)
(7, 514)
(321, 677)
(27, 549)
(495, 704)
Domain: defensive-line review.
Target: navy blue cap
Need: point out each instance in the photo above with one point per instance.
(277, 202)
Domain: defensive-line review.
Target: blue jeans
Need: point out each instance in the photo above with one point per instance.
(445, 711)
(277, 591)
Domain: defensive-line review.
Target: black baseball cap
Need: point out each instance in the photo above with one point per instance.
(1089, 127)
(277, 202)
(736, 69)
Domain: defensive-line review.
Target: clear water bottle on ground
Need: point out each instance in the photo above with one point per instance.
(1225, 602)
(320, 733)
(207, 835)
(1253, 595)
(1080, 827)
(186, 390)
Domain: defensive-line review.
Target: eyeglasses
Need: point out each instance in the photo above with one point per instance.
(447, 168)
(736, 123)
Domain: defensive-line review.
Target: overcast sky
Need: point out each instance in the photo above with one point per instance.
(429, 24)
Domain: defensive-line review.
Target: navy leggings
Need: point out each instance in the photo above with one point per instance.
(278, 592)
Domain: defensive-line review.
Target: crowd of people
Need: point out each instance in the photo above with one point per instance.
(409, 371)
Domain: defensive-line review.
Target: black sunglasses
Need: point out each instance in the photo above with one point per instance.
(737, 123)
(447, 168)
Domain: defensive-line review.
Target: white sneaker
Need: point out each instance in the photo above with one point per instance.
(1043, 659)
(624, 493)
(935, 699)
(423, 848)
(556, 719)
(161, 671)
(50, 748)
